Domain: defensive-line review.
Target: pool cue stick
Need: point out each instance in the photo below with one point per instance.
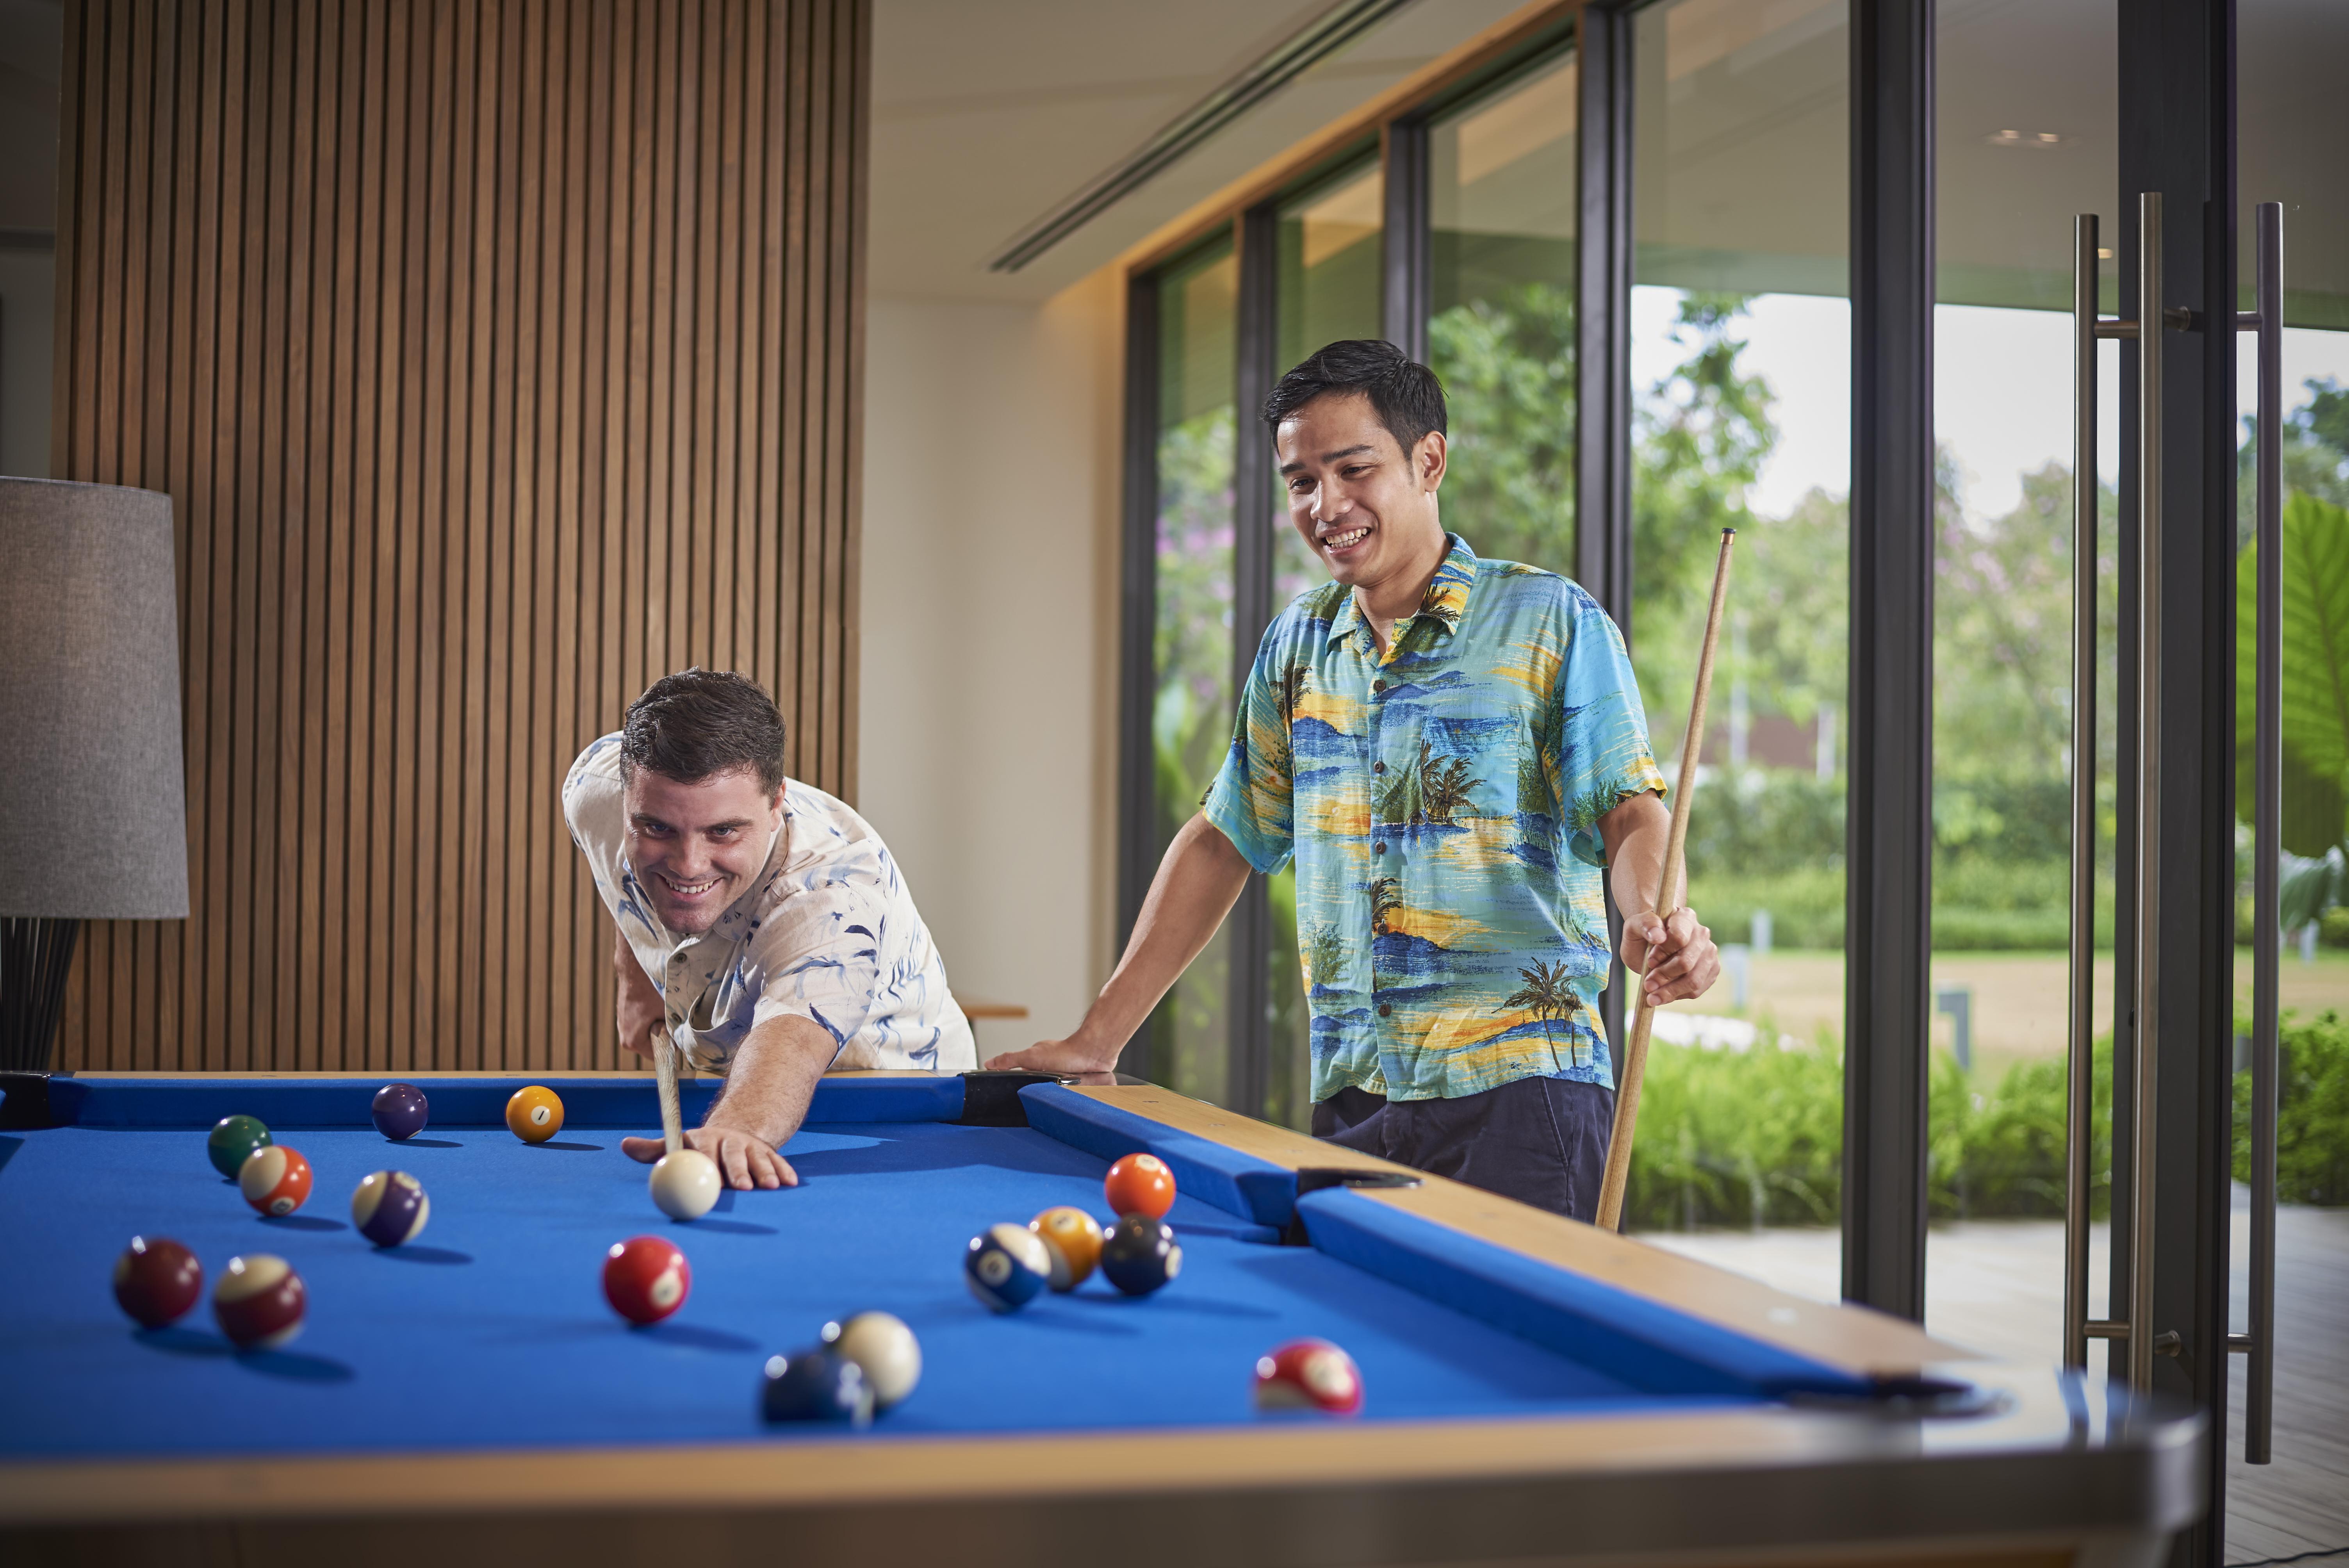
(665, 1069)
(1667, 902)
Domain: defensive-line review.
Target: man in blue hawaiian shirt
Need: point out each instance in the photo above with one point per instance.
(1453, 751)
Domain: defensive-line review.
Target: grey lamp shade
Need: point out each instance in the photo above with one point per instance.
(93, 819)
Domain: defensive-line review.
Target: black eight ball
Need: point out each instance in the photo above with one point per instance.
(1140, 1254)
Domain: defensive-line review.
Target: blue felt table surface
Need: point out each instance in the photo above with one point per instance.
(492, 1330)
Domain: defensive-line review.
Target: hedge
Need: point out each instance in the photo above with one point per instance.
(1755, 1138)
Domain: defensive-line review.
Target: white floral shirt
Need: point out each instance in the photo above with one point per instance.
(828, 932)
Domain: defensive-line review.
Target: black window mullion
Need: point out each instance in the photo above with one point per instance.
(1137, 859)
(1404, 238)
(1602, 446)
(1890, 837)
(1250, 922)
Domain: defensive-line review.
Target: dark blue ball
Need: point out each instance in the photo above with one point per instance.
(815, 1385)
(401, 1109)
(1140, 1254)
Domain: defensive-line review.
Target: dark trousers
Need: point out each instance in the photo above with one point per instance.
(1541, 1140)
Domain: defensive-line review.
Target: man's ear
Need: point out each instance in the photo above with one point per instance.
(1429, 460)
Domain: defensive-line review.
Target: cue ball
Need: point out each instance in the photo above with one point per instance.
(1139, 1184)
(155, 1281)
(685, 1185)
(1074, 1239)
(260, 1300)
(1309, 1374)
(1140, 1254)
(885, 1347)
(233, 1140)
(389, 1208)
(275, 1180)
(1006, 1266)
(534, 1114)
(646, 1278)
(401, 1111)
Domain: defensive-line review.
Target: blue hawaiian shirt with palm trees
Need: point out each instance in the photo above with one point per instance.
(1442, 801)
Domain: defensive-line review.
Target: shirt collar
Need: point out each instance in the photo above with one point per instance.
(1446, 598)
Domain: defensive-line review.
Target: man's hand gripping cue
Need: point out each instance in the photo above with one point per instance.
(1676, 959)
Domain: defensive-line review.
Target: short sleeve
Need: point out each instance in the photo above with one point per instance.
(1603, 755)
(1252, 800)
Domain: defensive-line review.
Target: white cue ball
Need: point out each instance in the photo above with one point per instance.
(685, 1184)
(885, 1347)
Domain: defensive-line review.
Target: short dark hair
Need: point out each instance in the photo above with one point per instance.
(697, 723)
(1404, 393)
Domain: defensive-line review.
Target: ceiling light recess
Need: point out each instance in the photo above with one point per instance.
(1328, 31)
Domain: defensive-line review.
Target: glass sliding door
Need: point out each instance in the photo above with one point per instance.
(1741, 359)
(1500, 331)
(2293, 124)
(1190, 704)
(2026, 140)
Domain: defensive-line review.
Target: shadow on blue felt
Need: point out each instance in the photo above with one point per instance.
(294, 1366)
(730, 1227)
(424, 1255)
(917, 1147)
(424, 1143)
(696, 1336)
(1239, 1231)
(576, 1147)
(302, 1222)
(8, 1147)
(176, 1341)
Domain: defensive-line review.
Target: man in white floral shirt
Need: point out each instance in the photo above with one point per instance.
(759, 923)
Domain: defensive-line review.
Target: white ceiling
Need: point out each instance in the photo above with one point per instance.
(986, 115)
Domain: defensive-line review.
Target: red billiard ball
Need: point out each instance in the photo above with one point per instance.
(275, 1180)
(646, 1278)
(1309, 1374)
(1139, 1184)
(157, 1281)
(260, 1300)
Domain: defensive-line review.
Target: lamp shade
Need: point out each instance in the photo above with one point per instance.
(93, 817)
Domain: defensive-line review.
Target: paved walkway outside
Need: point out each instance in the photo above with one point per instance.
(1997, 1286)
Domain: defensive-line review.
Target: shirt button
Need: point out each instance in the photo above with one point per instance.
(1380, 848)
(1378, 766)
(1378, 686)
(1385, 1011)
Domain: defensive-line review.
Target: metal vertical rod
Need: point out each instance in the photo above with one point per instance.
(2267, 829)
(2144, 1164)
(2079, 1134)
(1255, 513)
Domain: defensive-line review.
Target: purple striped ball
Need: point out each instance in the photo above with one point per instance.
(389, 1208)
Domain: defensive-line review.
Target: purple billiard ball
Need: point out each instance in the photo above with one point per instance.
(399, 1110)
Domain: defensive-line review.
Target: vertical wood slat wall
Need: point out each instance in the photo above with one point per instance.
(498, 358)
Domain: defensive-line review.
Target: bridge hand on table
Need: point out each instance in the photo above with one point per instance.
(744, 1160)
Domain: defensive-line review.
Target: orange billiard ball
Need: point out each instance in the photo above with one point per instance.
(1074, 1239)
(534, 1114)
(1139, 1184)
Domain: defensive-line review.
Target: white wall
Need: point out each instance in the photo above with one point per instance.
(989, 636)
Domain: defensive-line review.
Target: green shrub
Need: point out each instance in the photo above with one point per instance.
(2313, 1117)
(1755, 1138)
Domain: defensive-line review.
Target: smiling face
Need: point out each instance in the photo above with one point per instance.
(1361, 502)
(698, 846)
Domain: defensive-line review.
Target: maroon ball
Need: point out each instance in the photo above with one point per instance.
(157, 1281)
(259, 1302)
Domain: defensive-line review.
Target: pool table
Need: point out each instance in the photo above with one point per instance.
(1537, 1391)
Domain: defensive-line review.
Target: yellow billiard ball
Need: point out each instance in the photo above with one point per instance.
(1074, 1240)
(534, 1114)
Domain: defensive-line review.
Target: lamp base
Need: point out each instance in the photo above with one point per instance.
(36, 957)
